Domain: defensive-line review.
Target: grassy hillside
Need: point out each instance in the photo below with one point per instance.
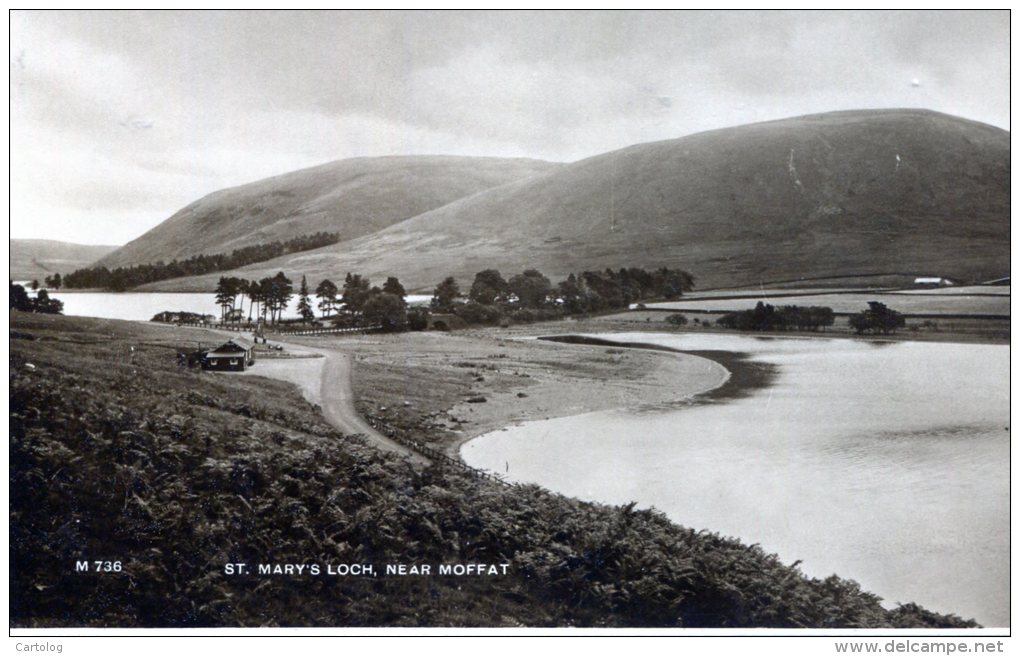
(125, 457)
(838, 194)
(354, 197)
(34, 259)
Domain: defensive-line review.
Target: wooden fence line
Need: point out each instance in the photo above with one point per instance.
(244, 328)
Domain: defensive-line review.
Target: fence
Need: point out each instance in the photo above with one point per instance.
(273, 330)
(321, 331)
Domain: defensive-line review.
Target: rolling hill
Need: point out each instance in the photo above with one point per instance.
(836, 194)
(353, 197)
(34, 259)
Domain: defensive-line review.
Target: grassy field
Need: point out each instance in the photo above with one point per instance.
(941, 329)
(906, 303)
(777, 292)
(122, 456)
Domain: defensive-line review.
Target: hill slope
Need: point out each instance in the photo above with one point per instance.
(844, 193)
(34, 259)
(354, 197)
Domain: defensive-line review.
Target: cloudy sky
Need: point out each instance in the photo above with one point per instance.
(120, 119)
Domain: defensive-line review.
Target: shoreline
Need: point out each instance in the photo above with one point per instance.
(742, 379)
(745, 376)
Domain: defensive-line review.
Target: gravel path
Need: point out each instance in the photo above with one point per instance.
(326, 382)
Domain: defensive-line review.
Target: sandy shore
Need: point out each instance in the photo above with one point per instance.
(431, 385)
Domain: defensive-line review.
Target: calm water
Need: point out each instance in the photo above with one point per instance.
(885, 463)
(143, 306)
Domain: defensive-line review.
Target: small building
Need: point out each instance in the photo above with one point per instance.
(929, 281)
(235, 355)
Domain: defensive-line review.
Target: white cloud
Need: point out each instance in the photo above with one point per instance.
(120, 118)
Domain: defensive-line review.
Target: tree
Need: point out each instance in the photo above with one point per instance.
(488, 287)
(256, 295)
(445, 295)
(327, 291)
(531, 288)
(417, 318)
(18, 298)
(242, 291)
(672, 283)
(34, 285)
(385, 310)
(393, 286)
(304, 306)
(572, 295)
(477, 313)
(877, 318)
(251, 288)
(224, 296)
(356, 291)
(276, 293)
(44, 304)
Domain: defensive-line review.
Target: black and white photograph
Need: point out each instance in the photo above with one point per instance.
(605, 322)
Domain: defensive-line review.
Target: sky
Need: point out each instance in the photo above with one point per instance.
(119, 119)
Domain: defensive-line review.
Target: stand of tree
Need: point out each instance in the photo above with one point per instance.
(531, 296)
(877, 319)
(765, 317)
(526, 297)
(123, 278)
(18, 299)
(270, 295)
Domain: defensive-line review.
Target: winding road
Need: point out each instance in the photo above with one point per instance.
(335, 394)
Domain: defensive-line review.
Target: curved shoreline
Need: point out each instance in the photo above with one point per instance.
(743, 378)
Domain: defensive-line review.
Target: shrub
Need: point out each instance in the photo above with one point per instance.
(477, 313)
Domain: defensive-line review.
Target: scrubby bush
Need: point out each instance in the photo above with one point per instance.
(417, 318)
(877, 319)
(477, 313)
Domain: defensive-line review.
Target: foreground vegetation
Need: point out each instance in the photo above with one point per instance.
(176, 473)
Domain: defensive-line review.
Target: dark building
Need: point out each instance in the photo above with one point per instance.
(236, 355)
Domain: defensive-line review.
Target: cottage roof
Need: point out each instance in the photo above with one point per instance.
(235, 345)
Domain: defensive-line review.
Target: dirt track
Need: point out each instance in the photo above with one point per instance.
(333, 391)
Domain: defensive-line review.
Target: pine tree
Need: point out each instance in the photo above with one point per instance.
(304, 306)
(327, 291)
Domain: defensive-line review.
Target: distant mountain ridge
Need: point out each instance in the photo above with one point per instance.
(837, 194)
(353, 197)
(35, 259)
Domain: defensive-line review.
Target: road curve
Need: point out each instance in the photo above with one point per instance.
(338, 402)
(337, 397)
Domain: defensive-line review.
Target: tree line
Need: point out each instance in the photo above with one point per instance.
(531, 296)
(122, 278)
(878, 318)
(527, 296)
(356, 303)
(766, 317)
